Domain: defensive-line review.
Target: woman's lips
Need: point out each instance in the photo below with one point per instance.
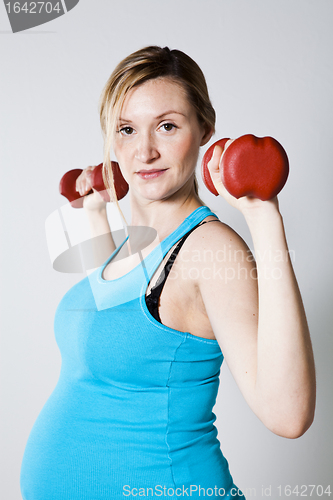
(150, 174)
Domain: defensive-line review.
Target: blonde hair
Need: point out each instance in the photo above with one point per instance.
(143, 65)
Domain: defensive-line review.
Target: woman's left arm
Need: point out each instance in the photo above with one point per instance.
(283, 388)
(285, 364)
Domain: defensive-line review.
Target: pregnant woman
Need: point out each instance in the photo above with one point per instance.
(142, 342)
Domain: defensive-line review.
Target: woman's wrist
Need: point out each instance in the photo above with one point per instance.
(262, 211)
(97, 211)
(267, 229)
(98, 221)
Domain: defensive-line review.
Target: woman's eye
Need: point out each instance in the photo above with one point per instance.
(126, 130)
(168, 126)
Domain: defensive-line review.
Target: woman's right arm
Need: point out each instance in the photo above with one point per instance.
(95, 209)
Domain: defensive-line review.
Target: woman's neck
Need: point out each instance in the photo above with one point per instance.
(163, 216)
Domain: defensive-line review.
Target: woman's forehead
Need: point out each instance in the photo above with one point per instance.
(156, 97)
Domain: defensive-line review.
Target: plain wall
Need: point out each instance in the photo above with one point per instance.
(269, 70)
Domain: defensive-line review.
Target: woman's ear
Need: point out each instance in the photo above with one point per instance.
(208, 132)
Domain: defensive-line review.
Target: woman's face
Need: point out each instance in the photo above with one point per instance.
(158, 138)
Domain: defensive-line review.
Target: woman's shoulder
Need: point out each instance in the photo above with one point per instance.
(217, 235)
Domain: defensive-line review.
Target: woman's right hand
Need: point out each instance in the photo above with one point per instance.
(93, 201)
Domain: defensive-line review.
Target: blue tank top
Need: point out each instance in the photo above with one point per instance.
(131, 414)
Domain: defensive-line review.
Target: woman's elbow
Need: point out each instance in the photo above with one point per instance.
(291, 424)
(292, 428)
(298, 430)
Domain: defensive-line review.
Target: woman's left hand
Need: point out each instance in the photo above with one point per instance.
(245, 204)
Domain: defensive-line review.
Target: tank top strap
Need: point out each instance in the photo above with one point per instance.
(189, 223)
(152, 299)
(153, 260)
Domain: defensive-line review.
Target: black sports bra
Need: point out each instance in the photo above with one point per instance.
(152, 298)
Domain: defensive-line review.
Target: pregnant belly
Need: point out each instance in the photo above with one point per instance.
(87, 444)
(94, 442)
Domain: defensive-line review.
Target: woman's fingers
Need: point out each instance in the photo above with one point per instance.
(83, 182)
(94, 201)
(214, 167)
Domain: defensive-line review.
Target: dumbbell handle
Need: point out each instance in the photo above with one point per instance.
(68, 181)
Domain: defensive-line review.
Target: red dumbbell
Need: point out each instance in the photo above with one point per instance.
(250, 166)
(67, 184)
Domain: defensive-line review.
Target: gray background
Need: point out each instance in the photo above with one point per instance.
(269, 69)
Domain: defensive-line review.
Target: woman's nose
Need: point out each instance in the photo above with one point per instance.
(146, 149)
